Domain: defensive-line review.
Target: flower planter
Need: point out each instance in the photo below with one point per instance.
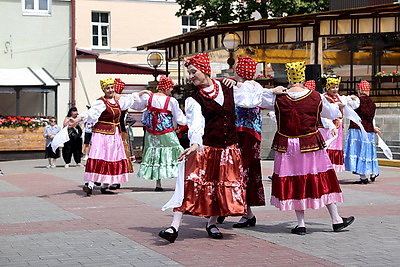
(22, 139)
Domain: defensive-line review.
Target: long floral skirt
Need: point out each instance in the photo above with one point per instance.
(303, 180)
(107, 161)
(160, 156)
(214, 183)
(335, 150)
(250, 148)
(360, 154)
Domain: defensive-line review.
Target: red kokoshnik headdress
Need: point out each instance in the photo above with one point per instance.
(118, 85)
(246, 68)
(201, 62)
(165, 83)
(364, 86)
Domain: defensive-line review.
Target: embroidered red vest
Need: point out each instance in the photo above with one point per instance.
(298, 118)
(220, 129)
(366, 111)
(109, 119)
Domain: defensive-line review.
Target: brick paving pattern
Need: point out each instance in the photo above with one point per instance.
(46, 220)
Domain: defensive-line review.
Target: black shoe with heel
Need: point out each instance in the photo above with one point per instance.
(167, 235)
(299, 230)
(221, 219)
(106, 191)
(337, 227)
(216, 235)
(373, 177)
(248, 222)
(88, 190)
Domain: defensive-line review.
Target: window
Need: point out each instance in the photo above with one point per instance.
(36, 7)
(100, 30)
(188, 24)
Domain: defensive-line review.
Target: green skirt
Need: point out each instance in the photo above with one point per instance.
(160, 156)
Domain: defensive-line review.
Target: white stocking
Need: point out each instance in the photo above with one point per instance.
(300, 218)
(176, 221)
(333, 211)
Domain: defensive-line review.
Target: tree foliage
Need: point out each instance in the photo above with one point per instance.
(226, 11)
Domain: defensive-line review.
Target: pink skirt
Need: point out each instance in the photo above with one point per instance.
(107, 162)
(303, 180)
(335, 150)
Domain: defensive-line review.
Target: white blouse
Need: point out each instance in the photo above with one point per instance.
(133, 101)
(348, 111)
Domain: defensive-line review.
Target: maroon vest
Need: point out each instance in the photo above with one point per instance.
(220, 129)
(366, 111)
(109, 119)
(298, 118)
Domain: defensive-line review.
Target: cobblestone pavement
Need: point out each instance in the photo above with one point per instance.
(47, 220)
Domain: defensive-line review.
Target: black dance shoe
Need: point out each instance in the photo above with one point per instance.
(373, 177)
(221, 219)
(248, 222)
(217, 235)
(158, 189)
(299, 230)
(337, 227)
(88, 190)
(106, 191)
(167, 235)
(114, 186)
(361, 181)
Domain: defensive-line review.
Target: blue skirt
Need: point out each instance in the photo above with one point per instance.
(360, 154)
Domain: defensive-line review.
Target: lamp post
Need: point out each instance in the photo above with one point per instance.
(154, 60)
(231, 42)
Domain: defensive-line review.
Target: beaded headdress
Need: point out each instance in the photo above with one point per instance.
(332, 81)
(296, 72)
(104, 83)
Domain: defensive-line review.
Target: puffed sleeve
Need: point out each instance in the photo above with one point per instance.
(92, 115)
(330, 110)
(248, 94)
(133, 101)
(348, 101)
(195, 122)
(177, 113)
(268, 99)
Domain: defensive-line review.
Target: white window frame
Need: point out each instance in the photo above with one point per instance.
(189, 27)
(100, 25)
(35, 11)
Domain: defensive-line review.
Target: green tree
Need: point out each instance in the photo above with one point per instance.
(226, 11)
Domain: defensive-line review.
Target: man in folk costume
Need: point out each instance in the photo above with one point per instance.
(303, 175)
(107, 163)
(335, 127)
(360, 152)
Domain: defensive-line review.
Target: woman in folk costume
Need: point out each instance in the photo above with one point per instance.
(303, 175)
(107, 162)
(161, 145)
(213, 180)
(248, 127)
(360, 152)
(335, 127)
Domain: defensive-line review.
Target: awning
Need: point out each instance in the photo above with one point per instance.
(105, 66)
(26, 77)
